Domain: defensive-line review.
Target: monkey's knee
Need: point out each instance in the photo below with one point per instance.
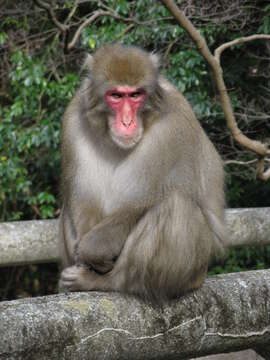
(100, 264)
(171, 258)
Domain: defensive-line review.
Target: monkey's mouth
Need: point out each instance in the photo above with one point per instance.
(126, 141)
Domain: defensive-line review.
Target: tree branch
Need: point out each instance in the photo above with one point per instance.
(88, 21)
(241, 40)
(237, 162)
(261, 174)
(70, 15)
(214, 61)
(43, 5)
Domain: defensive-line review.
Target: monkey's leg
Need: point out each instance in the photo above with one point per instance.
(67, 239)
(165, 255)
(168, 252)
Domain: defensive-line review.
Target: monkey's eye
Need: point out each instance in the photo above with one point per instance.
(116, 95)
(135, 94)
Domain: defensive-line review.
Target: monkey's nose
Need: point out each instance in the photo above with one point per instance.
(126, 121)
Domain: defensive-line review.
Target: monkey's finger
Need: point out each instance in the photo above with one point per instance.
(64, 286)
(71, 273)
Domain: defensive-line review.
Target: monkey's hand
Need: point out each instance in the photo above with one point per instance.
(101, 246)
(77, 278)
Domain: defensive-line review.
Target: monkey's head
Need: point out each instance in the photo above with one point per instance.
(123, 82)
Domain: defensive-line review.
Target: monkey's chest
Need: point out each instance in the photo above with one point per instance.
(94, 184)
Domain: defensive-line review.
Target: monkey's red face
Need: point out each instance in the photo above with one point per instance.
(125, 125)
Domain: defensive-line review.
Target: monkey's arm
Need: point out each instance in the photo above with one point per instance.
(142, 180)
(138, 185)
(101, 246)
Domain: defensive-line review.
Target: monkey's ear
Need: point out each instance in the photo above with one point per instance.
(87, 64)
(155, 60)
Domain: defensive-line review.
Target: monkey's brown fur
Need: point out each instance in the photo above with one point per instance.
(147, 218)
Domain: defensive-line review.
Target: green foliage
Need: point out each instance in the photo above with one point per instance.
(242, 259)
(3, 38)
(265, 26)
(26, 281)
(41, 80)
(30, 139)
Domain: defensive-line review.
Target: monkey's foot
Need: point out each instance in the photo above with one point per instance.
(77, 278)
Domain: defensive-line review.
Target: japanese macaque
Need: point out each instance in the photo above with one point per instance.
(143, 200)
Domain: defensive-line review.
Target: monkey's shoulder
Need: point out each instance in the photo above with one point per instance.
(175, 100)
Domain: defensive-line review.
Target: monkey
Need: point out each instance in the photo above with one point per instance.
(143, 193)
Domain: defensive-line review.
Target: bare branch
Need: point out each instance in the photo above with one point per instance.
(70, 15)
(260, 173)
(50, 11)
(103, 11)
(264, 175)
(237, 162)
(241, 40)
(256, 146)
(97, 14)
(191, 30)
(88, 21)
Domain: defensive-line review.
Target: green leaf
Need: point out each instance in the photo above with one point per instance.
(91, 43)
(3, 38)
